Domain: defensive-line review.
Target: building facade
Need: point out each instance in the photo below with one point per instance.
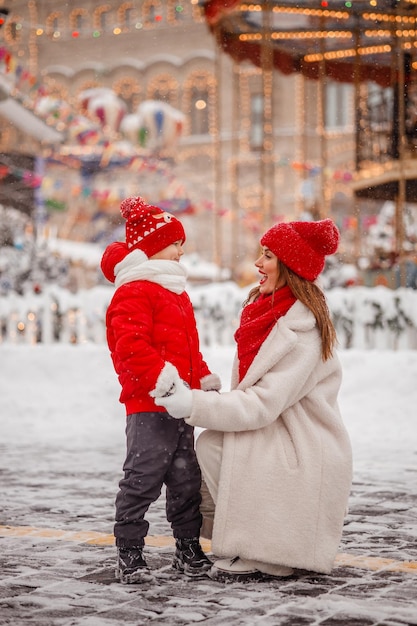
(255, 146)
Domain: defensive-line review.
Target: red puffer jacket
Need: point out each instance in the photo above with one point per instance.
(148, 325)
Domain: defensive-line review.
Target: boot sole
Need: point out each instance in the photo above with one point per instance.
(222, 576)
(141, 575)
(191, 572)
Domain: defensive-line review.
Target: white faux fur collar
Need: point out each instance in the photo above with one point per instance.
(136, 266)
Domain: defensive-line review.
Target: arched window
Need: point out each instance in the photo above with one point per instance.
(53, 23)
(102, 17)
(199, 94)
(199, 121)
(152, 12)
(127, 15)
(79, 20)
(176, 11)
(339, 98)
(163, 87)
(256, 121)
(158, 94)
(129, 91)
(12, 31)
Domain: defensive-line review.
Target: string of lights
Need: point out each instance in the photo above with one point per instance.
(80, 24)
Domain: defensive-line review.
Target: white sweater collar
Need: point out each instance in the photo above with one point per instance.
(136, 266)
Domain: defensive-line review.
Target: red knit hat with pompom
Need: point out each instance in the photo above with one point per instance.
(113, 254)
(303, 246)
(149, 228)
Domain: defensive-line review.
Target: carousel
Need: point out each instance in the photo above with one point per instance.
(371, 44)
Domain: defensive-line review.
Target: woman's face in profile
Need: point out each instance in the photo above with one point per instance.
(268, 268)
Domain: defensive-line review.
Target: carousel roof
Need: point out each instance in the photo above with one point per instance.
(347, 41)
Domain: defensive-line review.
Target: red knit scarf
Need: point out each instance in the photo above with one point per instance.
(257, 321)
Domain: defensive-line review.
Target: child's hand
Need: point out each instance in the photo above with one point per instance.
(167, 376)
(177, 400)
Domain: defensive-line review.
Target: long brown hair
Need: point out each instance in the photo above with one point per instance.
(314, 299)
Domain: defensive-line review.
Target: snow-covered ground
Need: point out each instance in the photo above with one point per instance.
(62, 447)
(65, 394)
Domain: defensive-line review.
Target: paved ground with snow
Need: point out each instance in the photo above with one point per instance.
(61, 450)
(57, 564)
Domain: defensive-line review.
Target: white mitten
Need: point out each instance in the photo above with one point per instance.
(167, 376)
(211, 382)
(177, 399)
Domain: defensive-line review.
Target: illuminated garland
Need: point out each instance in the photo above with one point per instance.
(174, 17)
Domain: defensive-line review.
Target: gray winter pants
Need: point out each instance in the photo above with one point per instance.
(160, 450)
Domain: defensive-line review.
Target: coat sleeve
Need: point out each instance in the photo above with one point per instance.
(284, 384)
(203, 368)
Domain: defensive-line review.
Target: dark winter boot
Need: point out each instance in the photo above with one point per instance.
(190, 559)
(131, 566)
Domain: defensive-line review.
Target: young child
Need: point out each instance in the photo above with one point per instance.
(151, 332)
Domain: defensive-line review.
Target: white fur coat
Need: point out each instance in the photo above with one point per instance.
(286, 467)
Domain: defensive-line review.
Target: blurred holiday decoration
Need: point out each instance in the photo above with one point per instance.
(52, 109)
(82, 192)
(103, 106)
(82, 131)
(155, 125)
(87, 94)
(130, 127)
(77, 191)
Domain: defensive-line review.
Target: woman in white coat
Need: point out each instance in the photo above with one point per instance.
(276, 456)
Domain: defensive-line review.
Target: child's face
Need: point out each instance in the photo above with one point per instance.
(173, 252)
